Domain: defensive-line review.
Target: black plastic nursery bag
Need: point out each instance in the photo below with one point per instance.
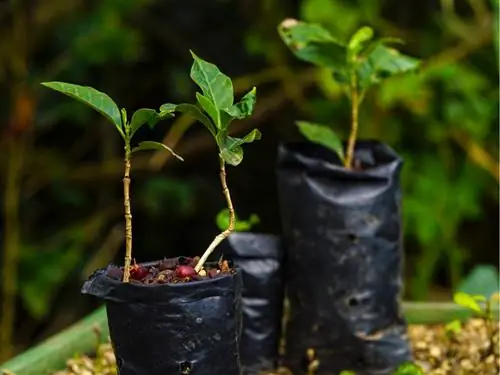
(167, 329)
(342, 230)
(260, 259)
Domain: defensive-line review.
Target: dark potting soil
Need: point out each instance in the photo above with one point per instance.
(171, 271)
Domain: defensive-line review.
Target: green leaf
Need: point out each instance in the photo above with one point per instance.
(357, 42)
(409, 368)
(222, 221)
(194, 111)
(230, 147)
(209, 108)
(482, 280)
(384, 62)
(244, 108)
(453, 327)
(323, 135)
(141, 117)
(167, 110)
(95, 99)
(216, 86)
(468, 301)
(312, 43)
(151, 145)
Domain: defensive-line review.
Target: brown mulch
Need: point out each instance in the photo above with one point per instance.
(473, 349)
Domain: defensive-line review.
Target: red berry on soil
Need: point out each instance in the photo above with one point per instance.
(185, 271)
(138, 272)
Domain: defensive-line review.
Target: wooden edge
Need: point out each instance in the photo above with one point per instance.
(438, 312)
(52, 354)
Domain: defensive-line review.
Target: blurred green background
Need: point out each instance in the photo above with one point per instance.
(60, 163)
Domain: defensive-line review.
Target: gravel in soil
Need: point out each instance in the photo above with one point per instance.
(171, 271)
(472, 349)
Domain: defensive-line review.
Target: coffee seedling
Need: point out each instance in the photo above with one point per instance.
(357, 65)
(216, 109)
(103, 104)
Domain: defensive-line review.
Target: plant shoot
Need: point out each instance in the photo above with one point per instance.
(216, 109)
(103, 104)
(358, 64)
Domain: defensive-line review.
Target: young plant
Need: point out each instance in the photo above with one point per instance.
(357, 65)
(482, 307)
(216, 109)
(103, 104)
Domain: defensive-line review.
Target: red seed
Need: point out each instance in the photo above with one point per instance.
(185, 271)
(138, 272)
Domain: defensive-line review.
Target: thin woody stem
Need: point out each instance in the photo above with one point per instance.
(128, 215)
(354, 122)
(222, 236)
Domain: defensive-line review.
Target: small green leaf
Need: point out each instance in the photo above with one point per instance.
(323, 135)
(409, 368)
(244, 108)
(216, 86)
(167, 110)
(222, 221)
(312, 43)
(123, 113)
(209, 108)
(468, 301)
(230, 147)
(150, 145)
(95, 99)
(194, 111)
(141, 117)
(357, 42)
(453, 327)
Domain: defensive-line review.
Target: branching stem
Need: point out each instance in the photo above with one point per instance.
(128, 213)
(222, 236)
(354, 122)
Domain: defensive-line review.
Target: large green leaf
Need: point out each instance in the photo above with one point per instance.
(151, 145)
(141, 117)
(312, 43)
(209, 107)
(216, 86)
(230, 147)
(95, 99)
(384, 62)
(194, 111)
(483, 280)
(323, 135)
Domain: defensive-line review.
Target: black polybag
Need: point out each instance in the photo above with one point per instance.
(187, 328)
(260, 259)
(342, 231)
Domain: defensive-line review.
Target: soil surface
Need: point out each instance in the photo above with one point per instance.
(171, 271)
(472, 349)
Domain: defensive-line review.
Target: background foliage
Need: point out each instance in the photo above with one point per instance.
(60, 166)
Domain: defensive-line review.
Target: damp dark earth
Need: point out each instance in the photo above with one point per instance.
(171, 271)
